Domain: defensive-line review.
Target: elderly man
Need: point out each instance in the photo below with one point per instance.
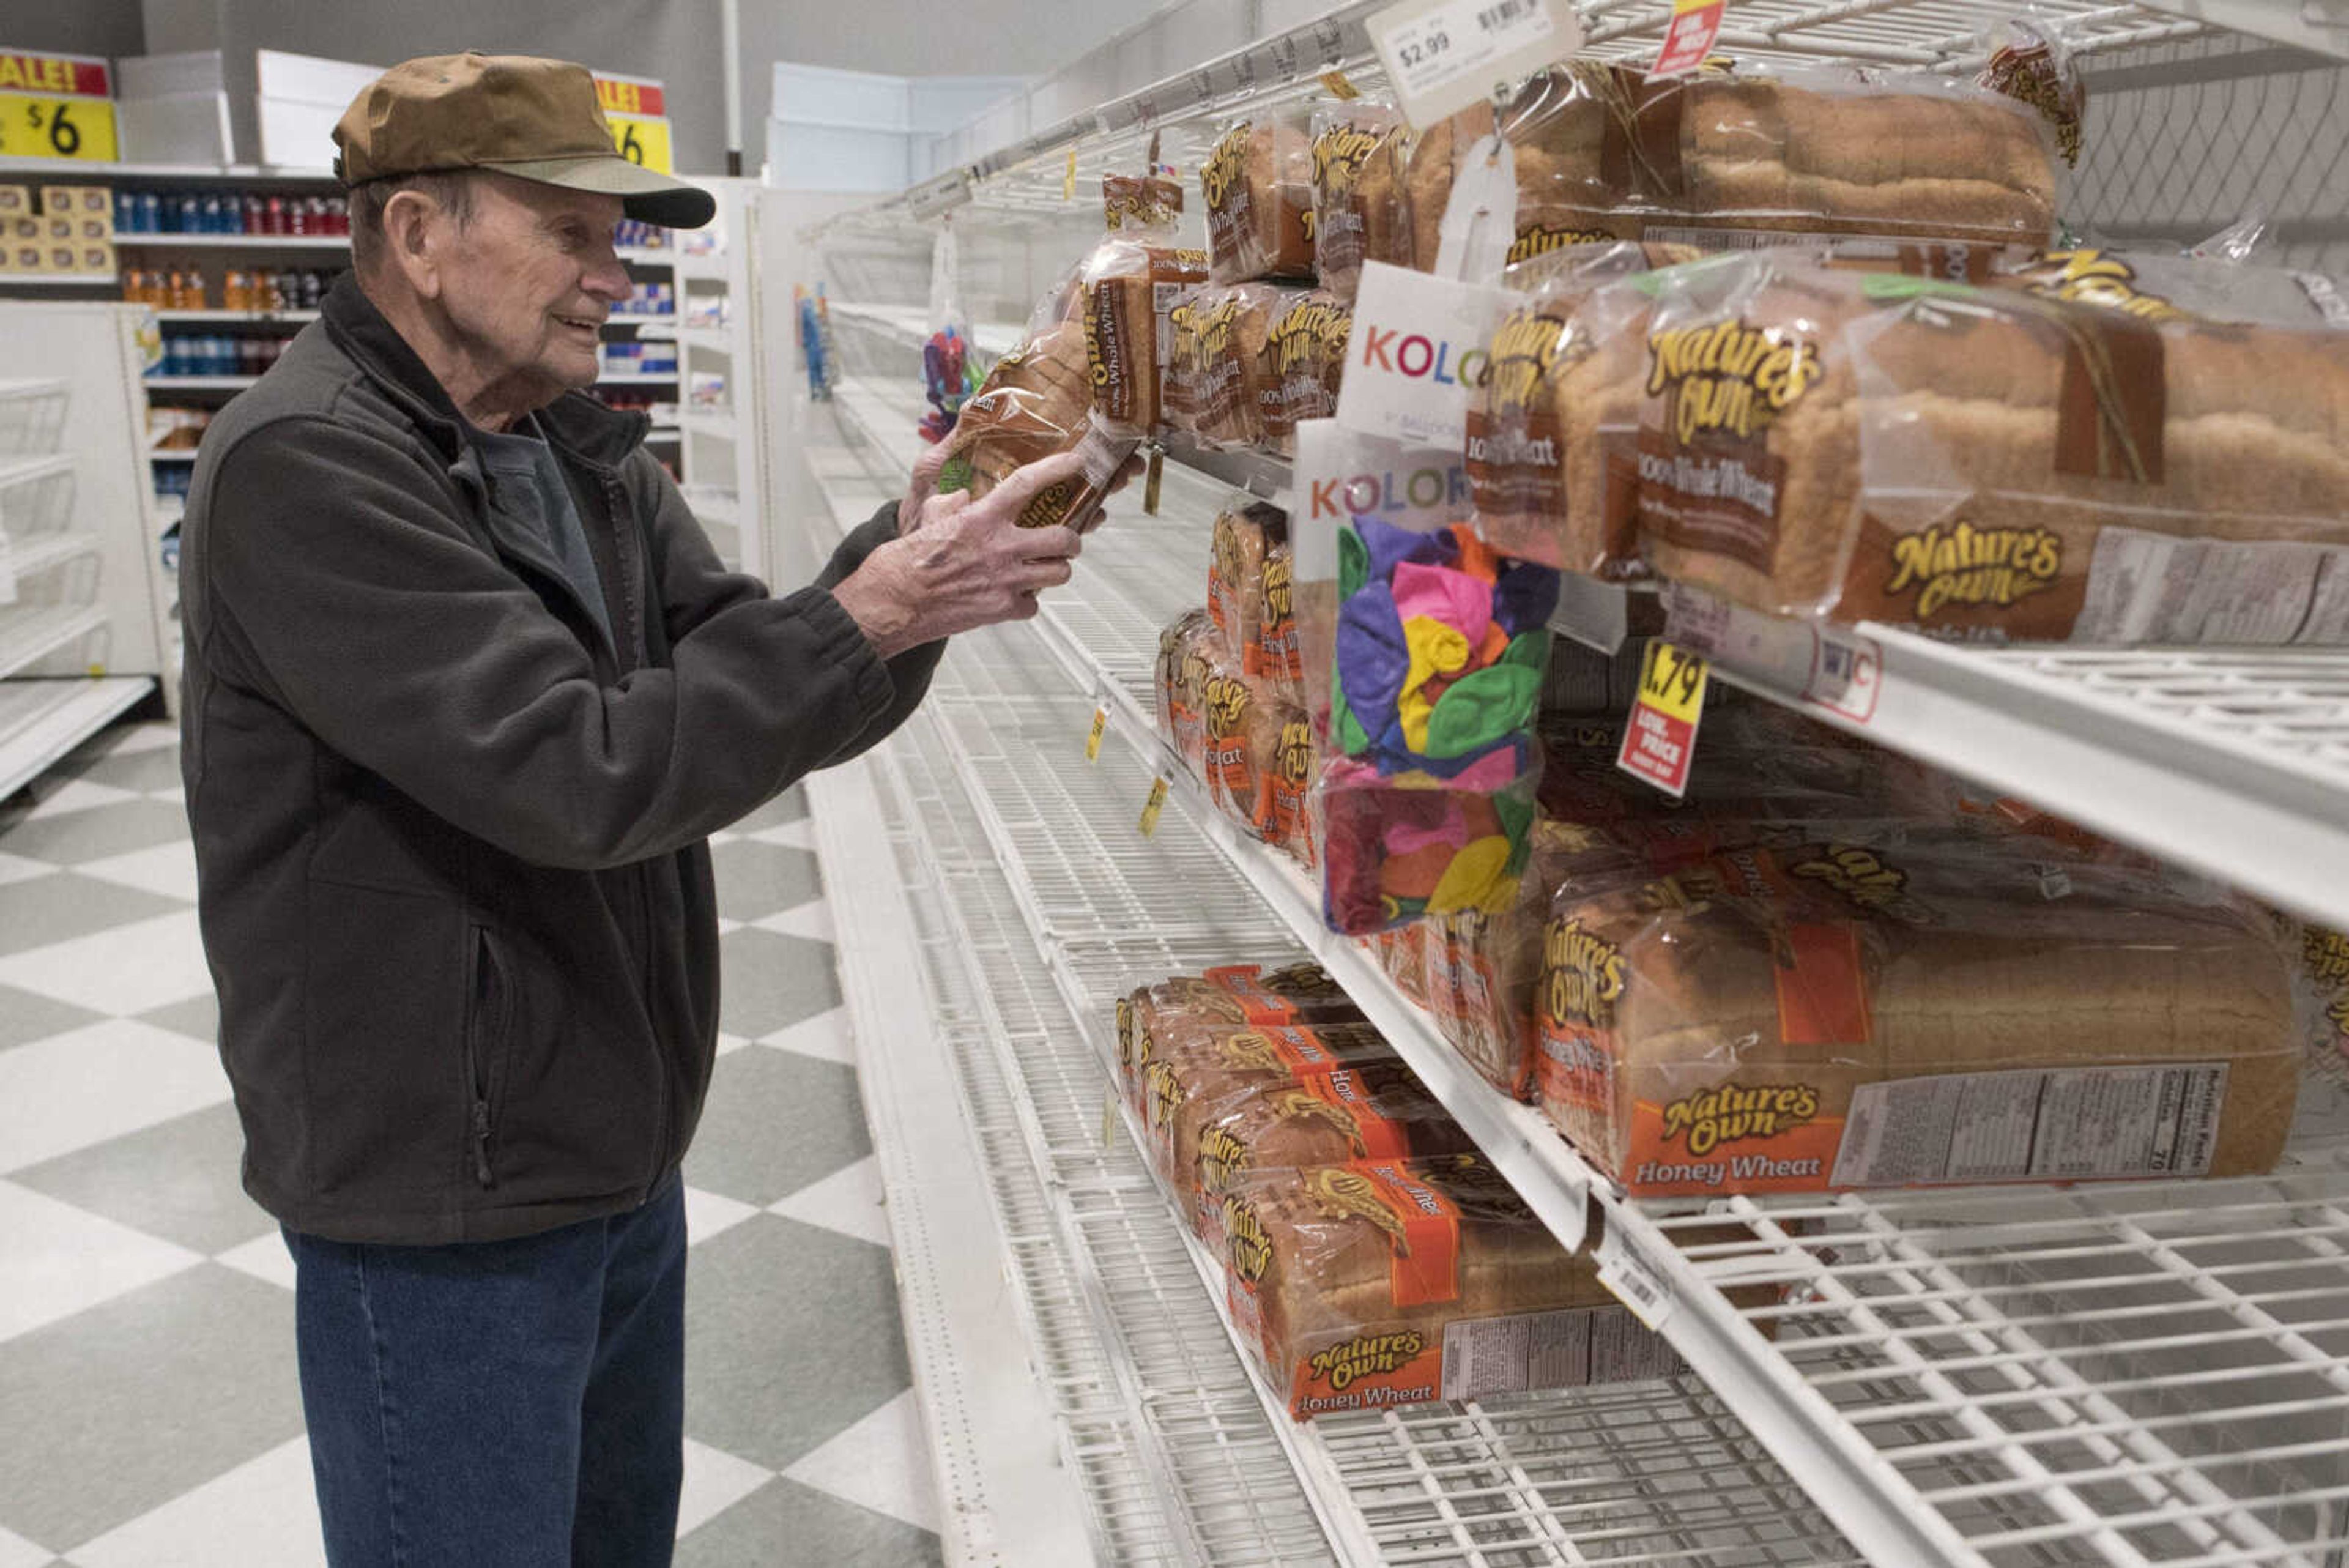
(466, 690)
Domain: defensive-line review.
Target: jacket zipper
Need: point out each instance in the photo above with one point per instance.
(479, 1052)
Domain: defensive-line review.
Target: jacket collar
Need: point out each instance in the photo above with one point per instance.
(575, 421)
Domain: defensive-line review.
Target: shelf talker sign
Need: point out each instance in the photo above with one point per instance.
(55, 106)
(637, 108)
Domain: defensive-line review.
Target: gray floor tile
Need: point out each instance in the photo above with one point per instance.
(198, 1018)
(772, 981)
(116, 1411)
(95, 834)
(56, 908)
(791, 1337)
(789, 806)
(142, 771)
(786, 1525)
(178, 1180)
(774, 1122)
(757, 879)
(25, 1016)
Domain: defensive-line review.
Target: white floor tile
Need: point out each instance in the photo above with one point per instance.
(262, 1514)
(56, 1259)
(723, 835)
(16, 1551)
(799, 835)
(726, 926)
(264, 1258)
(16, 868)
(125, 969)
(715, 1480)
(99, 1082)
(812, 919)
(825, 1036)
(849, 1200)
(76, 794)
(176, 795)
(706, 1214)
(882, 1463)
(169, 870)
(729, 1042)
(152, 737)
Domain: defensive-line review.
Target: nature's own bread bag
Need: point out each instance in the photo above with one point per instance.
(1217, 373)
(1037, 401)
(1190, 1072)
(1244, 722)
(1222, 998)
(1186, 649)
(1259, 185)
(1827, 1016)
(1304, 359)
(1244, 534)
(1359, 211)
(1130, 284)
(1992, 463)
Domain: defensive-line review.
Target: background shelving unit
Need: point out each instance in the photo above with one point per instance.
(2117, 1374)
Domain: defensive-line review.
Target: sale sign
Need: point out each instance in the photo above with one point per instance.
(55, 106)
(1660, 741)
(1695, 25)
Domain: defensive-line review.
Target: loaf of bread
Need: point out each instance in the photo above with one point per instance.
(1130, 290)
(1243, 747)
(1276, 656)
(1190, 1071)
(1289, 796)
(1219, 1001)
(1825, 1017)
(1185, 656)
(1259, 185)
(1216, 367)
(1358, 194)
(1304, 358)
(1356, 1286)
(1244, 534)
(1035, 403)
(1993, 465)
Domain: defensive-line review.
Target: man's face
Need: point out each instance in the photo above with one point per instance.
(529, 281)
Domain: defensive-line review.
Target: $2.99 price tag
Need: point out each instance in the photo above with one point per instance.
(1660, 739)
(1441, 56)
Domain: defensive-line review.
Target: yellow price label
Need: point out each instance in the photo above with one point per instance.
(1672, 681)
(1340, 84)
(1069, 177)
(1153, 805)
(642, 140)
(81, 128)
(1092, 740)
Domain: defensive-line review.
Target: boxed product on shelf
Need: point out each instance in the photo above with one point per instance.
(1386, 1282)
(1823, 1016)
(1258, 185)
(1357, 195)
(1131, 283)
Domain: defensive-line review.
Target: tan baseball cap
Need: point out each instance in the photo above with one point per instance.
(535, 120)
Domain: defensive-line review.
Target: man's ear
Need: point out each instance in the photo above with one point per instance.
(415, 234)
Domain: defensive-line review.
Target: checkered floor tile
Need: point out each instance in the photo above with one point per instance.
(146, 1304)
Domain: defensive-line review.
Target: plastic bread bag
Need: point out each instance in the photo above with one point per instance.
(1216, 364)
(2322, 984)
(1258, 185)
(1245, 533)
(1483, 969)
(1386, 1282)
(1377, 1110)
(1194, 1067)
(1341, 474)
(1275, 656)
(1185, 653)
(1035, 403)
(1290, 820)
(1304, 359)
(1359, 211)
(2030, 63)
(1131, 283)
(1441, 648)
(1995, 465)
(1799, 1020)
(1243, 747)
(1553, 432)
(1223, 999)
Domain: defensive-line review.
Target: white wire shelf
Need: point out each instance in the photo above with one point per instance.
(232, 241)
(41, 721)
(258, 317)
(2124, 1373)
(27, 636)
(909, 324)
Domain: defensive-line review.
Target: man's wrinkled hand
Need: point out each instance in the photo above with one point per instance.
(923, 487)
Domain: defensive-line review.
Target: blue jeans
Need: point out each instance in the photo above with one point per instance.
(499, 1403)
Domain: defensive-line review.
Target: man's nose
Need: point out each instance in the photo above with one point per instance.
(607, 278)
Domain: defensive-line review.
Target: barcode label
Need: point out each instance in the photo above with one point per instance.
(1637, 1285)
(1496, 16)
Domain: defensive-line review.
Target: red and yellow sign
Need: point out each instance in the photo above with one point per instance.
(642, 140)
(1695, 25)
(639, 95)
(55, 106)
(638, 108)
(1660, 742)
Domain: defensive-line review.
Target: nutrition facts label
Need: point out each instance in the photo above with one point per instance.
(2058, 1125)
(1488, 1355)
(2153, 587)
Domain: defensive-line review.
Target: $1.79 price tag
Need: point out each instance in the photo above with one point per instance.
(1660, 739)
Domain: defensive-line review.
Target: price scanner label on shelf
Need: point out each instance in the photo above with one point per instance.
(1660, 741)
(1689, 39)
(1093, 738)
(1441, 56)
(1636, 1283)
(1156, 805)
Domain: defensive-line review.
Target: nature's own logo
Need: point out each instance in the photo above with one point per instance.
(1585, 973)
(1223, 1158)
(1049, 506)
(1203, 335)
(1349, 1194)
(1228, 706)
(1099, 303)
(1963, 565)
(2092, 277)
(2337, 1015)
(1228, 565)
(1245, 1243)
(1338, 154)
(1223, 168)
(1537, 239)
(1165, 1092)
(1247, 1050)
(1858, 874)
(1295, 756)
(1365, 1356)
(1297, 1106)
(2325, 953)
(1126, 1032)
(1304, 333)
(1275, 598)
(1728, 379)
(1304, 981)
(1734, 1111)
(1524, 351)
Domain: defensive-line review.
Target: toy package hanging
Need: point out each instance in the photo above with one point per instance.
(815, 339)
(948, 374)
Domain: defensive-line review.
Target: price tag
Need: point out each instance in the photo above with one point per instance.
(1695, 25)
(1069, 177)
(642, 139)
(1150, 480)
(1093, 740)
(1157, 804)
(1660, 742)
(1636, 1284)
(1414, 356)
(1441, 55)
(81, 128)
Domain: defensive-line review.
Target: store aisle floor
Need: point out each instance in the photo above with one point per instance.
(149, 1414)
